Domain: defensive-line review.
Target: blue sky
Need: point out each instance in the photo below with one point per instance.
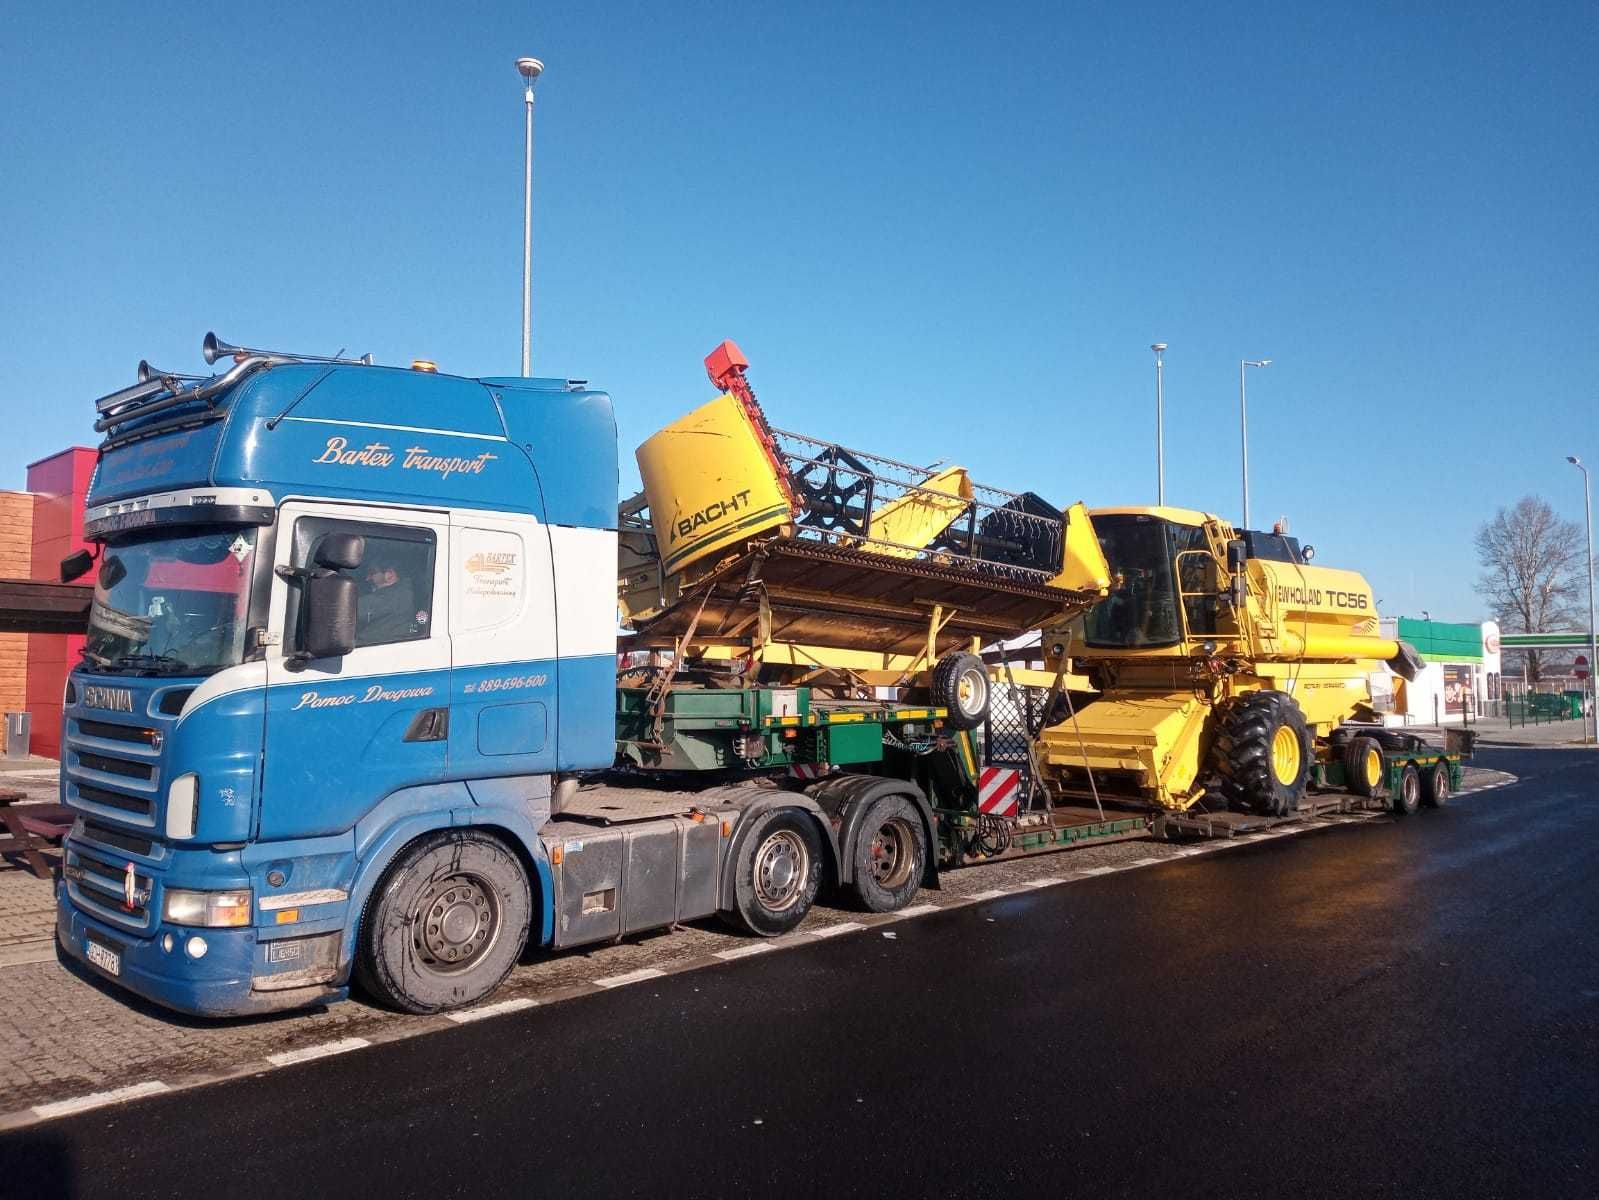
(937, 231)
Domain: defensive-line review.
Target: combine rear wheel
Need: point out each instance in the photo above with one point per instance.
(1363, 766)
(1262, 752)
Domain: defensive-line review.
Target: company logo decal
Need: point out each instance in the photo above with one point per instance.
(713, 512)
(1315, 597)
(412, 458)
(113, 699)
(492, 573)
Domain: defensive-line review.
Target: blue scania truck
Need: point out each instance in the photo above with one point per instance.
(351, 669)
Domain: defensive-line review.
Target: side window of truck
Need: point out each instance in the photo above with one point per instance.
(394, 582)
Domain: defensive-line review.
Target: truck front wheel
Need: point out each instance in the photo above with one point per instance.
(778, 870)
(446, 923)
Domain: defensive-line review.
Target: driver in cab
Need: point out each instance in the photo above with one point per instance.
(387, 608)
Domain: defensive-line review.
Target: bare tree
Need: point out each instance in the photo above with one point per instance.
(1529, 559)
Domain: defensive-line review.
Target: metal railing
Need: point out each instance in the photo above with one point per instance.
(840, 491)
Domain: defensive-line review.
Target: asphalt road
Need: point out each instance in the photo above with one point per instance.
(1406, 1008)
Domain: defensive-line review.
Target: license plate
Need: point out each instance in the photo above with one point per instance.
(106, 960)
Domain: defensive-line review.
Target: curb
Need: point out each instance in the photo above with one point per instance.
(864, 922)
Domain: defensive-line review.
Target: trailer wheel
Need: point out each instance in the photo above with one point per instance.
(960, 687)
(1436, 794)
(1407, 799)
(1363, 766)
(1262, 752)
(890, 855)
(778, 871)
(445, 924)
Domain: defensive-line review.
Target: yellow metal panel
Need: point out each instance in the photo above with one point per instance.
(916, 518)
(1083, 567)
(710, 483)
(1155, 737)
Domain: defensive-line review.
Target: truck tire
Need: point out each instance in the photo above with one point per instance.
(1262, 752)
(1407, 796)
(1436, 792)
(960, 687)
(890, 855)
(778, 871)
(1363, 766)
(445, 924)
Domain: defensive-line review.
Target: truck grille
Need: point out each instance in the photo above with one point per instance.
(113, 770)
(96, 884)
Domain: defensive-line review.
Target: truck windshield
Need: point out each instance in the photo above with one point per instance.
(1141, 609)
(172, 603)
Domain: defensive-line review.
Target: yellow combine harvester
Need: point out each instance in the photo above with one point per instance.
(1224, 667)
(759, 556)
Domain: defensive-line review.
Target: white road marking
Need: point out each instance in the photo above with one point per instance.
(832, 930)
(1087, 871)
(990, 894)
(491, 1010)
(288, 1058)
(61, 1108)
(1143, 862)
(918, 910)
(638, 976)
(744, 951)
(1036, 883)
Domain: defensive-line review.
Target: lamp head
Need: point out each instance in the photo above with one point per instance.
(529, 68)
(1574, 460)
(1158, 347)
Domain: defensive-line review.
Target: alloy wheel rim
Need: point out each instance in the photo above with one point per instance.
(456, 920)
(1285, 755)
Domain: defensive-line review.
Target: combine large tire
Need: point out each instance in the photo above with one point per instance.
(1363, 766)
(960, 686)
(1262, 753)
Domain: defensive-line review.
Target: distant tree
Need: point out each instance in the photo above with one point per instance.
(1529, 559)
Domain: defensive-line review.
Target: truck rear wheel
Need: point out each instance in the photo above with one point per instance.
(1436, 794)
(1407, 797)
(890, 855)
(778, 870)
(446, 923)
(1262, 752)
(1363, 766)
(960, 687)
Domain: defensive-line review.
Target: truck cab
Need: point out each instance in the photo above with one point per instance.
(334, 605)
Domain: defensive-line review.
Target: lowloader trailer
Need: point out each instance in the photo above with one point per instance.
(349, 710)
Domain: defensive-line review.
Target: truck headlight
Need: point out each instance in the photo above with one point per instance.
(183, 806)
(211, 909)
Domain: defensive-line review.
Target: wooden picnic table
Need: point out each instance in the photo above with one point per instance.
(31, 828)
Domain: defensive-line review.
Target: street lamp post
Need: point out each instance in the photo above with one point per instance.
(529, 69)
(1243, 423)
(1593, 634)
(1160, 425)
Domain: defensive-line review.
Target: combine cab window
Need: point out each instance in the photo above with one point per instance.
(1141, 609)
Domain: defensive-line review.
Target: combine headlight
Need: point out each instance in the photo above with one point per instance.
(214, 910)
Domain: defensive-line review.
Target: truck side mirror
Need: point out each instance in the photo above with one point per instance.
(76, 565)
(341, 551)
(330, 615)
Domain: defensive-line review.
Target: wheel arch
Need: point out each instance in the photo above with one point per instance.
(767, 802)
(847, 797)
(381, 846)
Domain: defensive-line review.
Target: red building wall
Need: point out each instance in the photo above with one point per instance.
(59, 484)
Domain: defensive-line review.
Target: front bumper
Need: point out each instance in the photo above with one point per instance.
(218, 985)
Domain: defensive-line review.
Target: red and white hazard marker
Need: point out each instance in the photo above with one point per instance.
(998, 791)
(809, 770)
